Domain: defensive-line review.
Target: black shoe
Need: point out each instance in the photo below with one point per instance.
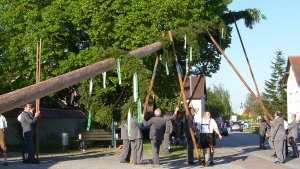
(294, 156)
(5, 164)
(191, 163)
(35, 162)
(211, 163)
(274, 155)
(277, 162)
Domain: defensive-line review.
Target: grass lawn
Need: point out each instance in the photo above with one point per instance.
(55, 147)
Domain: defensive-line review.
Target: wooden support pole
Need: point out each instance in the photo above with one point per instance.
(37, 102)
(183, 83)
(201, 75)
(241, 78)
(184, 99)
(27, 94)
(151, 86)
(255, 84)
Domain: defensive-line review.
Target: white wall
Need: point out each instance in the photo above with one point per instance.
(199, 107)
(293, 96)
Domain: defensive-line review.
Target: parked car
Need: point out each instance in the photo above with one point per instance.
(236, 126)
(223, 129)
(246, 124)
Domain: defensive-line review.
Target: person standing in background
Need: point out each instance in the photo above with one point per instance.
(187, 135)
(126, 149)
(3, 125)
(168, 131)
(27, 122)
(136, 141)
(157, 129)
(262, 133)
(293, 136)
(278, 136)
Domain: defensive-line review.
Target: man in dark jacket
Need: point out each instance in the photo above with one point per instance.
(136, 141)
(126, 149)
(168, 131)
(278, 137)
(262, 133)
(157, 129)
(188, 137)
(28, 120)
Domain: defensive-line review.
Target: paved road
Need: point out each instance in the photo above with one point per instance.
(237, 151)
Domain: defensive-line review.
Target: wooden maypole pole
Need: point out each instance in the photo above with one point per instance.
(27, 94)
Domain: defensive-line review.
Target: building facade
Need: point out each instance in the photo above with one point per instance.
(292, 85)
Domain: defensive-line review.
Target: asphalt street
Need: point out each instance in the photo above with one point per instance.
(239, 150)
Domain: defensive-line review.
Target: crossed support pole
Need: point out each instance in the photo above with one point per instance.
(37, 102)
(184, 99)
(259, 101)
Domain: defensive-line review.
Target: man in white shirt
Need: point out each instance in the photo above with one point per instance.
(206, 127)
(3, 125)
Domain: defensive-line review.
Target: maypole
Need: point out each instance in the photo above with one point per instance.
(27, 94)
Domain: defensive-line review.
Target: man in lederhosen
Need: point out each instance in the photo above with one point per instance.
(207, 126)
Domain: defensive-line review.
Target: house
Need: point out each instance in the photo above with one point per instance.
(198, 100)
(52, 124)
(292, 84)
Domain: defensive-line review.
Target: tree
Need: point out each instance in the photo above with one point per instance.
(275, 96)
(218, 102)
(76, 33)
(252, 107)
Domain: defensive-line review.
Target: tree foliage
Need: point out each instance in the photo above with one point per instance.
(77, 33)
(252, 107)
(275, 96)
(218, 102)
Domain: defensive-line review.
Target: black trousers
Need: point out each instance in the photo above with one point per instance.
(28, 149)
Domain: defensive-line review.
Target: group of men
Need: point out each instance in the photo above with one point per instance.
(28, 120)
(160, 129)
(279, 133)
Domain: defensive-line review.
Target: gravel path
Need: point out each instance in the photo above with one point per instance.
(228, 158)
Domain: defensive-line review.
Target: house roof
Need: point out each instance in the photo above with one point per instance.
(293, 61)
(192, 82)
(49, 113)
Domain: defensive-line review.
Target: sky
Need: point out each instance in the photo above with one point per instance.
(280, 32)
